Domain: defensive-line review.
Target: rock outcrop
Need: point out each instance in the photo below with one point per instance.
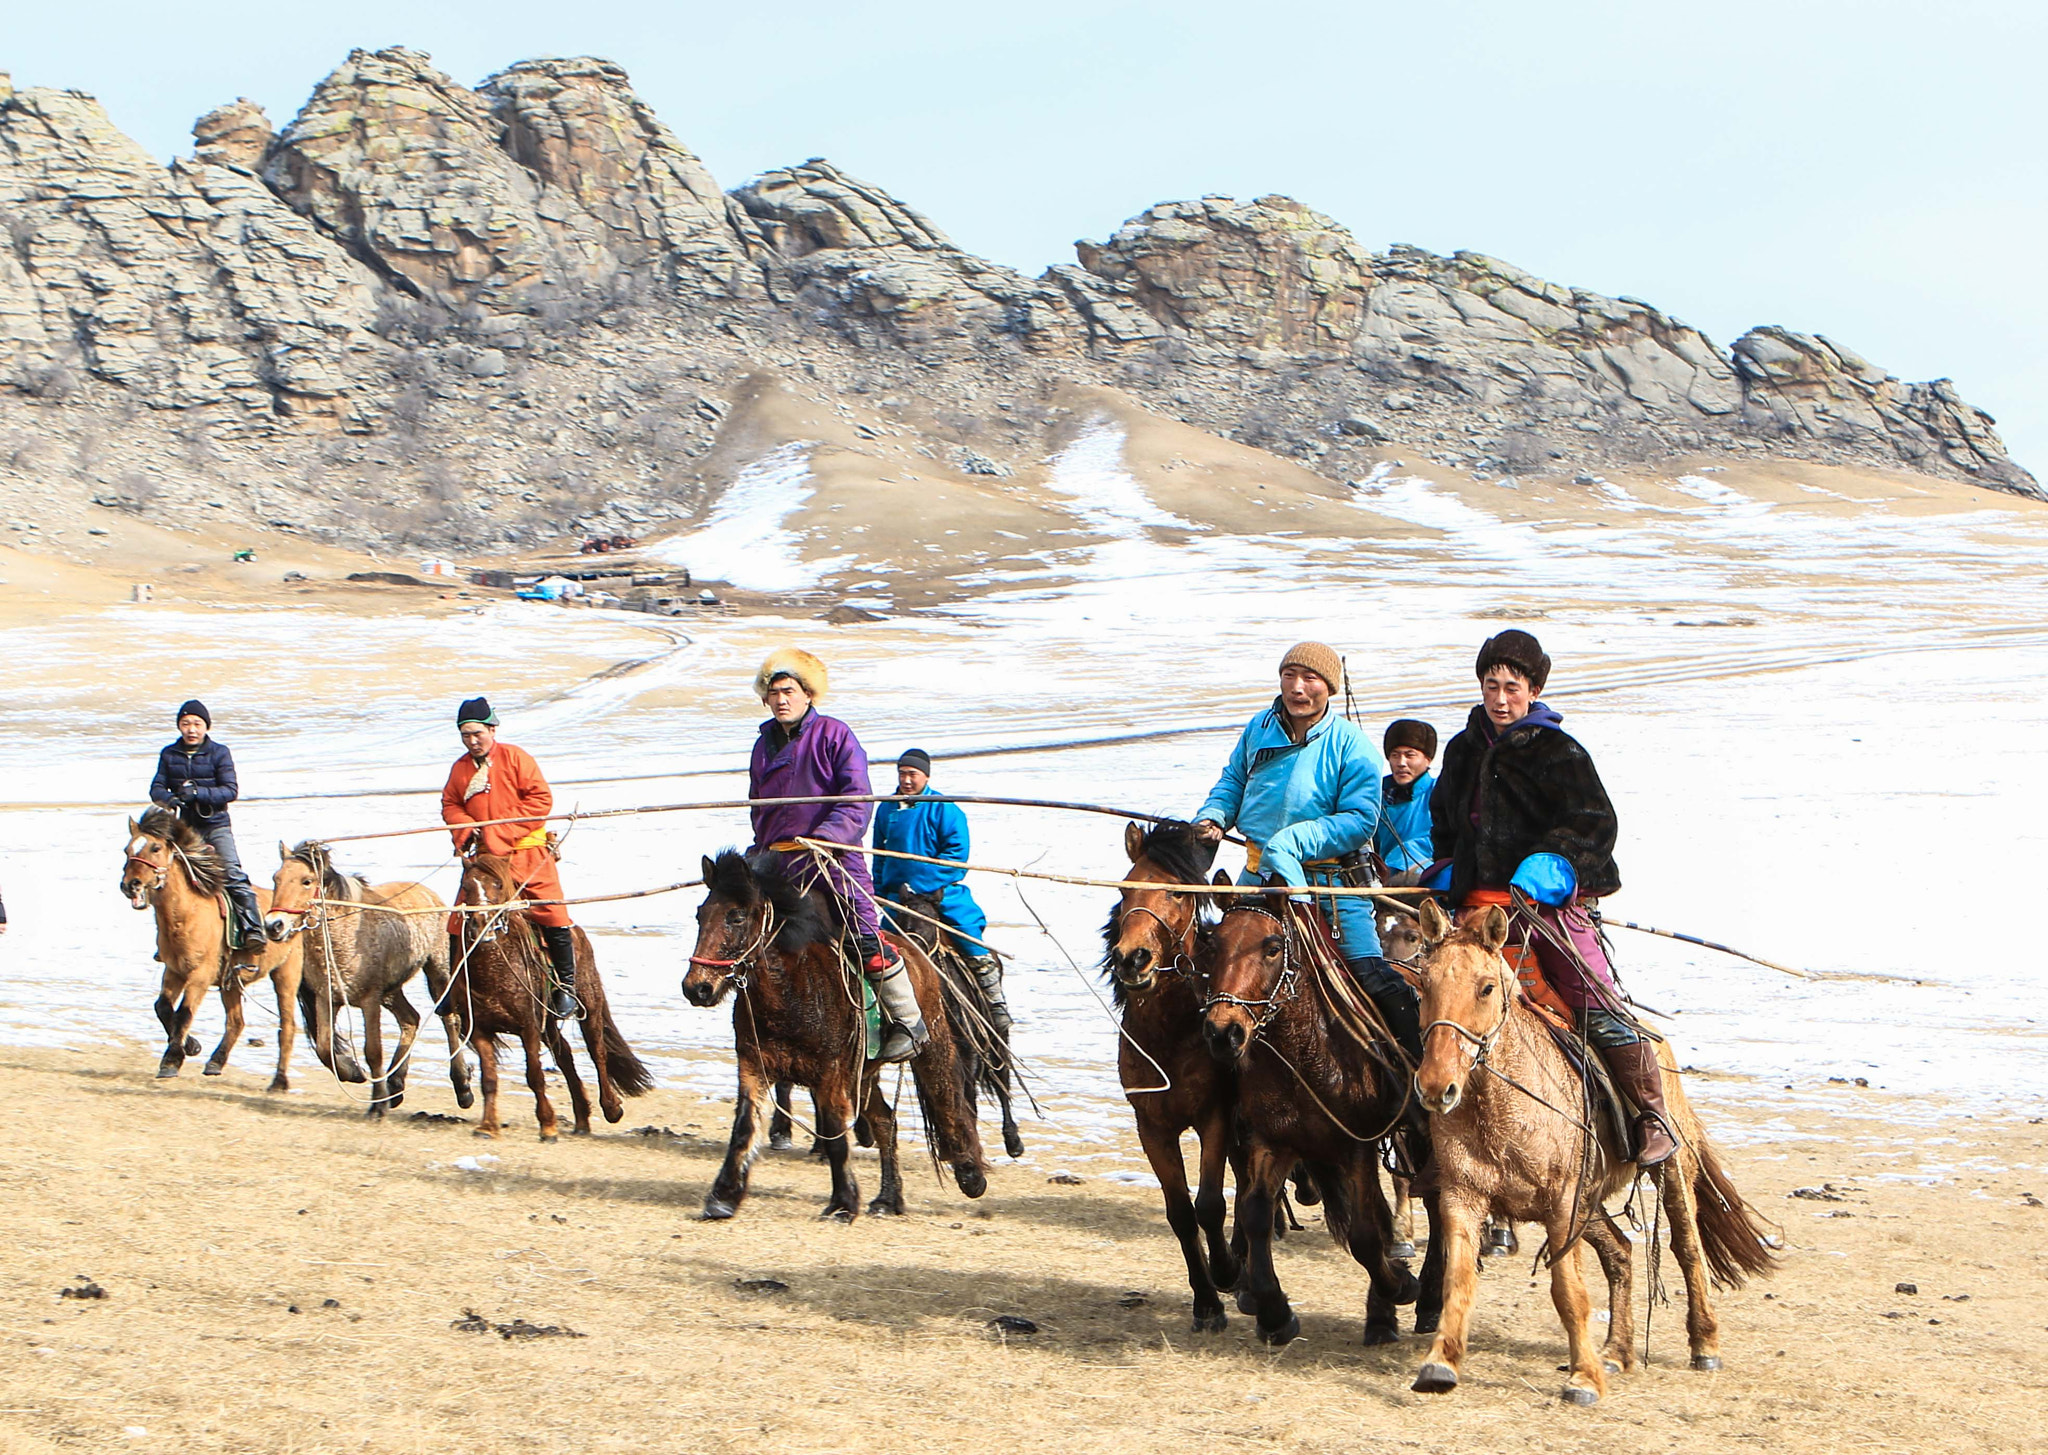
(389, 249)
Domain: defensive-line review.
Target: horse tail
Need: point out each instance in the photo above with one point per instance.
(1733, 1234)
(629, 1074)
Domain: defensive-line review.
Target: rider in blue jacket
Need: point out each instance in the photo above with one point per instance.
(1403, 838)
(937, 830)
(1303, 786)
(196, 776)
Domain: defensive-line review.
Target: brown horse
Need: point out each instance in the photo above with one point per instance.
(1155, 956)
(985, 1060)
(1513, 1139)
(797, 1016)
(1314, 1091)
(359, 952)
(499, 986)
(172, 869)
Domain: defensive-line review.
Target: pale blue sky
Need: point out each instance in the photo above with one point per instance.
(1868, 169)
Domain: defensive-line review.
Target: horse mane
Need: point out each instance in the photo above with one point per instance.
(333, 883)
(203, 863)
(747, 882)
(1178, 850)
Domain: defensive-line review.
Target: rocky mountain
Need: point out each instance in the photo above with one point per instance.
(483, 316)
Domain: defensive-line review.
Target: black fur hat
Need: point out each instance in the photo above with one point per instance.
(1410, 732)
(1519, 651)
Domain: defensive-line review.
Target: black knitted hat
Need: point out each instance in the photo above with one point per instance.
(195, 708)
(916, 758)
(476, 709)
(1517, 650)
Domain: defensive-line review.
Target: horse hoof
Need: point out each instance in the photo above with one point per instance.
(1246, 1303)
(717, 1210)
(1287, 1333)
(551, 1136)
(582, 1131)
(1610, 1366)
(191, 1045)
(167, 1068)
(780, 1142)
(1579, 1395)
(1402, 1249)
(279, 1083)
(880, 1209)
(970, 1179)
(213, 1068)
(1427, 1323)
(836, 1215)
(490, 1132)
(1378, 1334)
(465, 1098)
(1407, 1287)
(1707, 1363)
(1435, 1379)
(1013, 1142)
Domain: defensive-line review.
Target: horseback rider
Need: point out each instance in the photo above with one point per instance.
(1519, 806)
(1303, 786)
(495, 780)
(801, 753)
(195, 777)
(1402, 839)
(937, 830)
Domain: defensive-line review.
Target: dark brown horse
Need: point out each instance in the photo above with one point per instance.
(498, 986)
(1314, 1091)
(1158, 978)
(985, 1061)
(797, 1016)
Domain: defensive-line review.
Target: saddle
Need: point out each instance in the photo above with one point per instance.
(1610, 1105)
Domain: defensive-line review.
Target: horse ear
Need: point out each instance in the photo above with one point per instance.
(1493, 929)
(708, 866)
(134, 828)
(1222, 878)
(282, 852)
(1134, 839)
(1436, 925)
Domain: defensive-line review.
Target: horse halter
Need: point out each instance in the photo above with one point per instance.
(1181, 963)
(1263, 1010)
(738, 967)
(315, 912)
(161, 871)
(1483, 1044)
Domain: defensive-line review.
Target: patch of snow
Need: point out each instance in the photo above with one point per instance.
(744, 540)
(1107, 496)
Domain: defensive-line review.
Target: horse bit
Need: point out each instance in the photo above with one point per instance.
(738, 977)
(1182, 963)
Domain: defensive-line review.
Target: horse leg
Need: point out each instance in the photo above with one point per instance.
(231, 1005)
(1278, 1323)
(1404, 1218)
(1013, 1140)
(1237, 1153)
(1429, 1303)
(880, 1118)
(285, 981)
(537, 1079)
(835, 1115)
(749, 1119)
(1457, 1227)
(1368, 1231)
(565, 1058)
(1162, 1150)
(1617, 1265)
(1213, 1137)
(779, 1126)
(373, 1055)
(401, 1060)
(1588, 1379)
(183, 1043)
(487, 1078)
(174, 1039)
(438, 978)
(1702, 1329)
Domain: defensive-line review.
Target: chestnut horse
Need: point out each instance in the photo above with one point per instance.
(498, 986)
(1158, 976)
(359, 953)
(1310, 1090)
(797, 1016)
(173, 870)
(1513, 1139)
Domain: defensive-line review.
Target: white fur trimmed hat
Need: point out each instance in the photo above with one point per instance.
(794, 662)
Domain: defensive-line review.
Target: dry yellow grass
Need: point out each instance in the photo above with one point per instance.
(282, 1277)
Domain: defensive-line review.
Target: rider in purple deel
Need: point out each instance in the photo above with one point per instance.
(801, 753)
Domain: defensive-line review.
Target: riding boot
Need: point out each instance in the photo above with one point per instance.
(1395, 1000)
(898, 997)
(1635, 1071)
(989, 976)
(562, 1001)
(248, 918)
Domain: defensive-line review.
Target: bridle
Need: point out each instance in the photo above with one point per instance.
(1265, 1008)
(1485, 1044)
(1182, 963)
(738, 967)
(161, 871)
(315, 912)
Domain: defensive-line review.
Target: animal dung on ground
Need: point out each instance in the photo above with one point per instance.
(1012, 1324)
(436, 1118)
(1131, 1299)
(473, 1322)
(1065, 1179)
(1905, 1288)
(760, 1285)
(84, 1288)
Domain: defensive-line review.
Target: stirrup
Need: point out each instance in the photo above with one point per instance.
(900, 1044)
(563, 1004)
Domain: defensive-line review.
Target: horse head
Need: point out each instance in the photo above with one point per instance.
(1153, 930)
(1400, 933)
(734, 923)
(1467, 994)
(296, 889)
(149, 859)
(1256, 961)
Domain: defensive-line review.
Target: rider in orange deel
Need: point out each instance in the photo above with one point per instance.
(494, 780)
(1519, 807)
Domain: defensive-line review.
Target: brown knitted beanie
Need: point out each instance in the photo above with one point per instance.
(1319, 659)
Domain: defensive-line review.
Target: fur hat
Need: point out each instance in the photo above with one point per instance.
(195, 708)
(1319, 659)
(1410, 732)
(795, 662)
(1518, 650)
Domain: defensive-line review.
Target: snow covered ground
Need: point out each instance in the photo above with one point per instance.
(1824, 734)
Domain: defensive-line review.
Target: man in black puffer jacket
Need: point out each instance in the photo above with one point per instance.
(196, 776)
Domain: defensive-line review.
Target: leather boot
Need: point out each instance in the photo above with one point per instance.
(1635, 1071)
(906, 1034)
(989, 976)
(562, 1002)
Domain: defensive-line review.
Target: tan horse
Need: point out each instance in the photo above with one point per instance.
(362, 943)
(1506, 1114)
(173, 870)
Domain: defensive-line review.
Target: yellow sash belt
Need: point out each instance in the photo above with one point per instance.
(536, 840)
